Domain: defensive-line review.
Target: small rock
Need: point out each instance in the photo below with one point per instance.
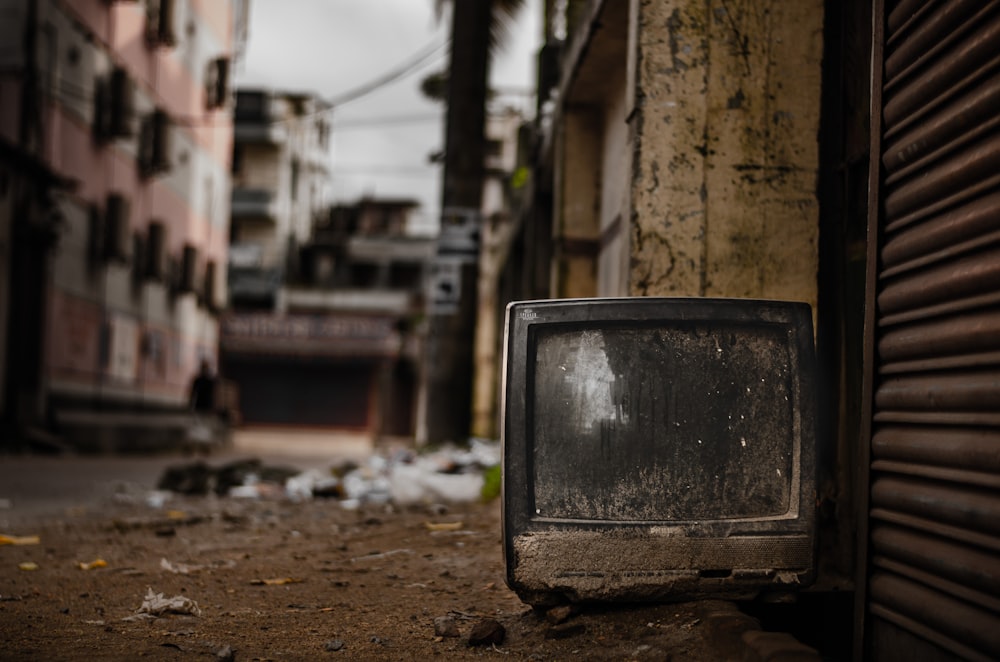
(487, 632)
(446, 626)
(225, 654)
(334, 645)
(558, 615)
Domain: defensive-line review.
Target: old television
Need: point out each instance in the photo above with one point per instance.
(658, 449)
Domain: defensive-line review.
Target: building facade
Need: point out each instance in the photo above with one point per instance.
(322, 330)
(126, 104)
(280, 171)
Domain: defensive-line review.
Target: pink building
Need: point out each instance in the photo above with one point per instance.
(124, 109)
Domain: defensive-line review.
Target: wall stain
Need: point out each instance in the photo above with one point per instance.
(740, 41)
(735, 102)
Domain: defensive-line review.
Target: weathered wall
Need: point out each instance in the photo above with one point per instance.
(578, 203)
(611, 265)
(724, 174)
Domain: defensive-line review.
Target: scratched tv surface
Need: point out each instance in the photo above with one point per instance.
(684, 422)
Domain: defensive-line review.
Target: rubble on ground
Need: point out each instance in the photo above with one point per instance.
(403, 477)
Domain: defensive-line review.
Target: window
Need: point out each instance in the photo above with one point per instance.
(156, 252)
(160, 22)
(117, 239)
(216, 83)
(154, 144)
(189, 269)
(237, 164)
(113, 106)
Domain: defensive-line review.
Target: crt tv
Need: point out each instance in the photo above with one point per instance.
(658, 449)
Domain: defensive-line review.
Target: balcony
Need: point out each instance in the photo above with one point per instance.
(254, 283)
(260, 133)
(253, 203)
(373, 301)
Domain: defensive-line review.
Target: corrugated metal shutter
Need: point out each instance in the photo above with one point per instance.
(934, 528)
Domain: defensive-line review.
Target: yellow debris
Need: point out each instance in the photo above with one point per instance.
(19, 540)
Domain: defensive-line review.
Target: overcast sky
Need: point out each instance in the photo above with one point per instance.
(380, 142)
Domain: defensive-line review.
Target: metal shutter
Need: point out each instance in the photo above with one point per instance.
(934, 530)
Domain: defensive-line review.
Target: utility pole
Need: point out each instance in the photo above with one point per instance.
(448, 361)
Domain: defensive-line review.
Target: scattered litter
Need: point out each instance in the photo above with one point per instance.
(28, 565)
(179, 568)
(19, 540)
(189, 569)
(403, 477)
(96, 563)
(155, 605)
(380, 555)
(158, 498)
(244, 492)
(277, 581)
(443, 526)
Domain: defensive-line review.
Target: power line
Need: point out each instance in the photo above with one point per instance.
(387, 120)
(407, 67)
(360, 170)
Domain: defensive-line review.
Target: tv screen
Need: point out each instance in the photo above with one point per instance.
(657, 448)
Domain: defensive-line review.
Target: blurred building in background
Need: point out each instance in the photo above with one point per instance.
(115, 142)
(325, 303)
(280, 173)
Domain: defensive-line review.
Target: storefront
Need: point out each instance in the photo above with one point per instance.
(331, 371)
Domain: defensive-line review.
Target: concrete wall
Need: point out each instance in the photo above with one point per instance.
(497, 233)
(726, 119)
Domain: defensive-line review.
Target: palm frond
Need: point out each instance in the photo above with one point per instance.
(502, 18)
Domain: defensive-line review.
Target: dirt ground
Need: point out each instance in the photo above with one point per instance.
(274, 580)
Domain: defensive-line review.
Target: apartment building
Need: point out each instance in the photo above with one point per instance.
(280, 175)
(122, 111)
(324, 301)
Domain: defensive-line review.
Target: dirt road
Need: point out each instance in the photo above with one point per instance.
(269, 579)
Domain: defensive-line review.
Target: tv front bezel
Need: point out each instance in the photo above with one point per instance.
(529, 538)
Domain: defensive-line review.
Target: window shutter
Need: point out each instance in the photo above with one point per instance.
(95, 236)
(116, 228)
(156, 252)
(101, 125)
(187, 282)
(217, 83)
(154, 144)
(160, 23)
(121, 92)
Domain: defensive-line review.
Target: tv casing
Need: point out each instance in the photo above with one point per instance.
(625, 543)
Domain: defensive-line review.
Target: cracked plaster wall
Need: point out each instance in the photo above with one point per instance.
(727, 98)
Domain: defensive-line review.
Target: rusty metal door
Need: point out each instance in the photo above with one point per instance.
(933, 529)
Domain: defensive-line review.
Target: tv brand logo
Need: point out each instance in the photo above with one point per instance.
(528, 315)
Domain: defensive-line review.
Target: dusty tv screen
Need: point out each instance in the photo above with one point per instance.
(657, 447)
